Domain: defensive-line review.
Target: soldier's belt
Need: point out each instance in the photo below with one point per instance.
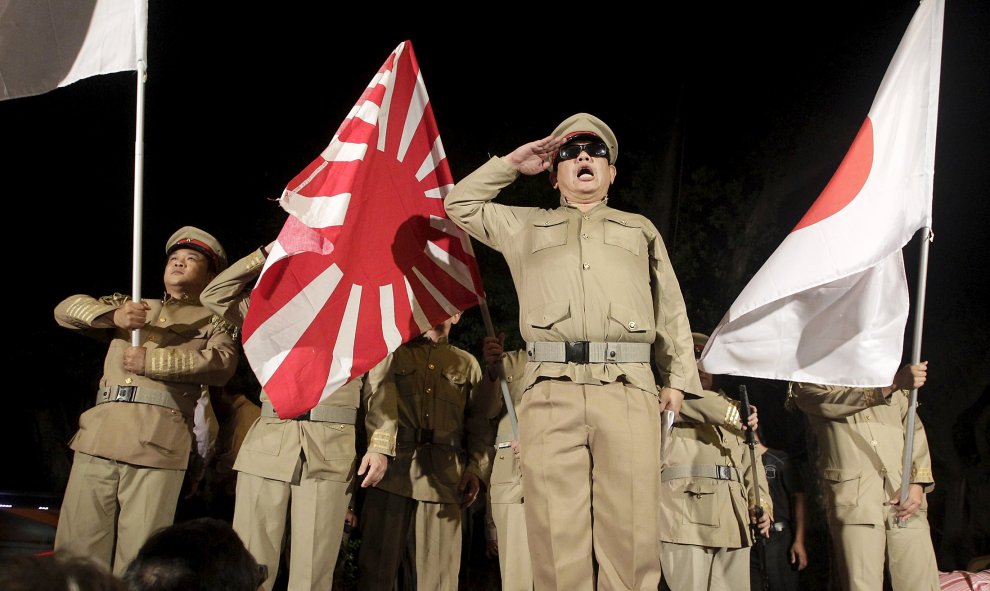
(138, 394)
(427, 437)
(320, 414)
(699, 471)
(588, 352)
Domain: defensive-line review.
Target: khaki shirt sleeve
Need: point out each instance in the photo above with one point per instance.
(834, 402)
(673, 348)
(83, 313)
(710, 407)
(469, 204)
(211, 366)
(478, 425)
(227, 296)
(379, 396)
(921, 460)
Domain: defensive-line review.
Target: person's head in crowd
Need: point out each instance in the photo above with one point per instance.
(64, 572)
(700, 340)
(202, 554)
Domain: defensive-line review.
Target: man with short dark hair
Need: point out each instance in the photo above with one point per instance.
(603, 316)
(133, 447)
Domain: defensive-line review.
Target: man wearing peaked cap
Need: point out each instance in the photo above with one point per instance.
(200, 241)
(133, 447)
(602, 313)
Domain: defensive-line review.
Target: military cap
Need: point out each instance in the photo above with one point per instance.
(700, 339)
(587, 124)
(200, 241)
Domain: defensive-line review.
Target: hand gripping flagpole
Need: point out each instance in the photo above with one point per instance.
(511, 410)
(919, 318)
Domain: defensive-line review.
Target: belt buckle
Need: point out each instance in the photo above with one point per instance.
(125, 394)
(424, 436)
(722, 473)
(577, 352)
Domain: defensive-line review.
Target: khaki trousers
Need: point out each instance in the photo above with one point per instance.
(696, 568)
(513, 549)
(591, 480)
(859, 555)
(315, 509)
(391, 525)
(110, 508)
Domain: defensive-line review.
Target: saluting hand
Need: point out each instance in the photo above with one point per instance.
(534, 157)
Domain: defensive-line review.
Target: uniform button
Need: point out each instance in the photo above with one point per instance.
(128, 380)
(632, 325)
(586, 266)
(869, 418)
(883, 471)
(162, 320)
(508, 379)
(431, 366)
(584, 235)
(429, 390)
(873, 443)
(587, 217)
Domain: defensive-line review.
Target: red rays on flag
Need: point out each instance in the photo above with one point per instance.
(367, 259)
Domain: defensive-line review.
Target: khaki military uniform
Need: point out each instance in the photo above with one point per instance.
(444, 430)
(706, 491)
(131, 456)
(505, 494)
(600, 276)
(860, 438)
(300, 469)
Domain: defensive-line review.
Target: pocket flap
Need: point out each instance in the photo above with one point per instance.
(840, 474)
(701, 486)
(548, 315)
(627, 317)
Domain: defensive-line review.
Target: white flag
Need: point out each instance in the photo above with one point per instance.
(831, 303)
(47, 44)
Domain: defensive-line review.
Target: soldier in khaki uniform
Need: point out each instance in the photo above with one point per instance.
(133, 447)
(707, 494)
(505, 494)
(601, 311)
(301, 470)
(441, 460)
(860, 437)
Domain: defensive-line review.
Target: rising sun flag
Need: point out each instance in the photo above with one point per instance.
(830, 305)
(367, 258)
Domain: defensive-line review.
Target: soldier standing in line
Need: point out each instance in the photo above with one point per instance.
(860, 434)
(441, 460)
(507, 535)
(707, 495)
(133, 447)
(604, 319)
(299, 473)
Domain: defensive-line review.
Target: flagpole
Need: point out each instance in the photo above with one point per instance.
(509, 408)
(919, 318)
(141, 13)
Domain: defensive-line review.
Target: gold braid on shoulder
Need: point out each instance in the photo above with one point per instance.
(228, 327)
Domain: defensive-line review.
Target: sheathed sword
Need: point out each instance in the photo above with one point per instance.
(758, 511)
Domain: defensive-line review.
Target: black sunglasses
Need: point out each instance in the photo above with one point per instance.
(573, 150)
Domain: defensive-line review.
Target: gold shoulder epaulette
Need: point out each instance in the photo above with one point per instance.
(228, 327)
(116, 299)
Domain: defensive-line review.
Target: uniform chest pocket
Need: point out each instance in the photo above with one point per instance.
(626, 234)
(549, 233)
